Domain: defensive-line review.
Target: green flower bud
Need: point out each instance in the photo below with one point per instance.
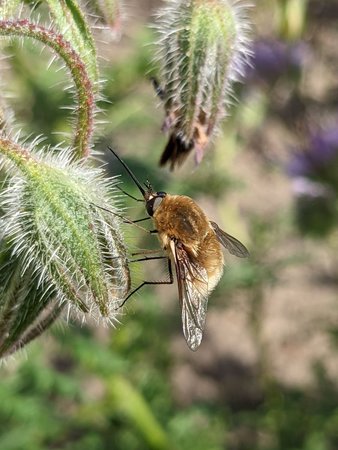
(202, 50)
(112, 13)
(27, 306)
(57, 246)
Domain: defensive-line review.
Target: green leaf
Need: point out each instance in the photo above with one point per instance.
(134, 407)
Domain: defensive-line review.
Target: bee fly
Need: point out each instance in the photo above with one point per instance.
(192, 243)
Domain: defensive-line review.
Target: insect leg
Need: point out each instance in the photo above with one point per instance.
(144, 283)
(125, 219)
(147, 252)
(143, 253)
(140, 220)
(147, 258)
(129, 195)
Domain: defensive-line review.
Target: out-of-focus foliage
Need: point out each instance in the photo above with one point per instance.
(266, 376)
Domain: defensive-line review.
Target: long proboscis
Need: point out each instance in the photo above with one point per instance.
(138, 184)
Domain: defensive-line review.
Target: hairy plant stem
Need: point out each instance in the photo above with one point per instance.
(14, 152)
(84, 88)
(72, 23)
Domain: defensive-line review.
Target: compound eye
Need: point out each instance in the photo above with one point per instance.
(157, 202)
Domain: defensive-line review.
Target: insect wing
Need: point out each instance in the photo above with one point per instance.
(229, 242)
(192, 280)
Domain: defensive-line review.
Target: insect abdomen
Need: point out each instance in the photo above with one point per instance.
(210, 256)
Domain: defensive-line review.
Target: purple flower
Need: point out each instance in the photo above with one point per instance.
(314, 173)
(303, 186)
(299, 165)
(325, 146)
(272, 58)
(319, 159)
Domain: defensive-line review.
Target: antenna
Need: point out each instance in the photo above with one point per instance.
(138, 184)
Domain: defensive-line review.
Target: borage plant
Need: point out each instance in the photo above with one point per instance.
(203, 49)
(58, 249)
(61, 247)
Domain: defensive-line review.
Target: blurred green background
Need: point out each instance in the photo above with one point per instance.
(265, 376)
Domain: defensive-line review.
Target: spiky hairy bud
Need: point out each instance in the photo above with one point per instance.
(57, 246)
(203, 47)
(112, 12)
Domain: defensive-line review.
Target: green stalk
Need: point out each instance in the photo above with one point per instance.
(75, 29)
(84, 89)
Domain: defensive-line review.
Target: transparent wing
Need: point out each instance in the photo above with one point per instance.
(192, 280)
(229, 242)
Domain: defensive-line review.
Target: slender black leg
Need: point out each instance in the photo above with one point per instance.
(144, 283)
(148, 252)
(129, 195)
(147, 258)
(140, 220)
(125, 219)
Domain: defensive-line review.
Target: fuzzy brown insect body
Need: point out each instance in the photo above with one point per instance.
(180, 220)
(192, 243)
